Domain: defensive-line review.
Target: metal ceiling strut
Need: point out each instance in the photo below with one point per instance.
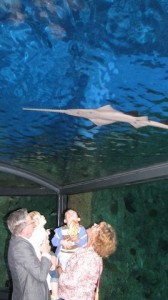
(146, 174)
(46, 187)
(32, 177)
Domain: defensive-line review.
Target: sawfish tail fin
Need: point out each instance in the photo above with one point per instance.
(158, 124)
(144, 121)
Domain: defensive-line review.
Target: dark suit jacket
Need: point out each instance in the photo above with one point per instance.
(28, 272)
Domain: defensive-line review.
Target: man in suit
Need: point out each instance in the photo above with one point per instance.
(29, 274)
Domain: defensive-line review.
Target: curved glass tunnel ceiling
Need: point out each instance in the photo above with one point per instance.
(82, 55)
(21, 185)
(10, 180)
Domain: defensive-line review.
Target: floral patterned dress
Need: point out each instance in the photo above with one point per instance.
(81, 275)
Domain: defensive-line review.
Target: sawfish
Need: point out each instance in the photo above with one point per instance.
(104, 115)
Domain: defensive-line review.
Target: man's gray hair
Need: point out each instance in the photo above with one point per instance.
(17, 221)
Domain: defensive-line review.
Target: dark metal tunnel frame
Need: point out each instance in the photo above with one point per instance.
(46, 188)
(141, 175)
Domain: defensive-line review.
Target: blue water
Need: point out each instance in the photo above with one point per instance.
(82, 54)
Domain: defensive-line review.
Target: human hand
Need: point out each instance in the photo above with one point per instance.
(54, 261)
(75, 239)
(45, 247)
(67, 244)
(59, 269)
(48, 231)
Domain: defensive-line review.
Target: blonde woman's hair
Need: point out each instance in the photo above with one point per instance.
(35, 217)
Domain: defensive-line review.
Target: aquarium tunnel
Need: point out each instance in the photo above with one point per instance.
(84, 125)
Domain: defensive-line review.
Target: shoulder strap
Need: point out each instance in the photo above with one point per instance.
(97, 287)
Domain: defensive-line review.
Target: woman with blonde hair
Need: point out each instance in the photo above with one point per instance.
(38, 236)
(82, 274)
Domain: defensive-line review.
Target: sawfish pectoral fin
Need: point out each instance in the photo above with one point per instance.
(139, 122)
(100, 122)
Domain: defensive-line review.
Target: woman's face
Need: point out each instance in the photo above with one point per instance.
(92, 231)
(29, 227)
(42, 220)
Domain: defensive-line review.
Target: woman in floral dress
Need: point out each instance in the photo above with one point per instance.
(83, 270)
